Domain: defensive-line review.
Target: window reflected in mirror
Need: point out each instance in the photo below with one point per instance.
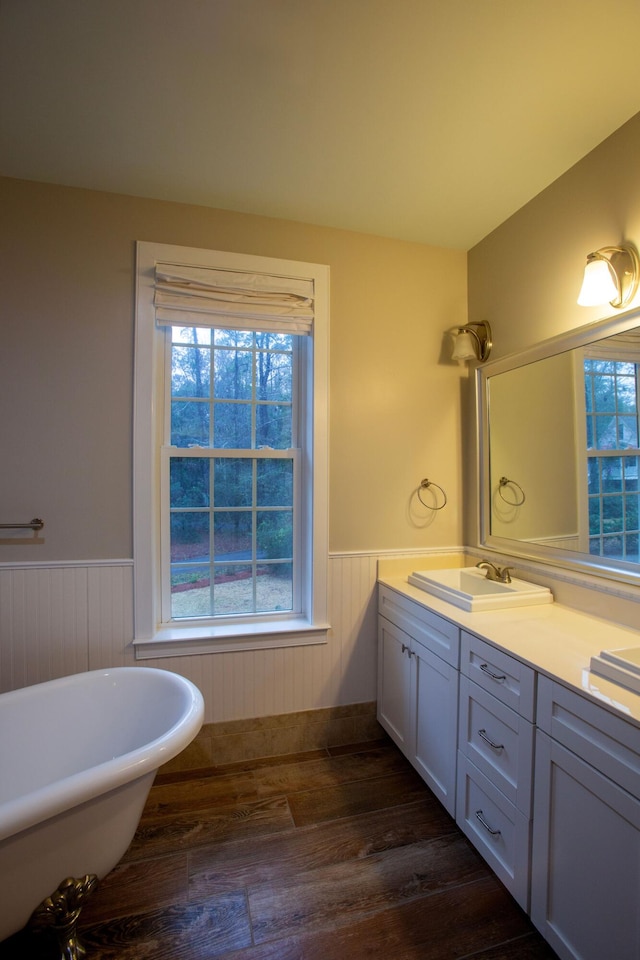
(561, 422)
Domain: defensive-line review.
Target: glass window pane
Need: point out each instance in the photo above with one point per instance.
(593, 475)
(273, 376)
(274, 341)
(189, 482)
(190, 591)
(190, 536)
(274, 588)
(233, 482)
(273, 426)
(611, 474)
(233, 338)
(232, 538)
(189, 423)
(627, 432)
(604, 366)
(233, 589)
(190, 371)
(631, 473)
(631, 504)
(632, 547)
(612, 546)
(232, 426)
(594, 516)
(199, 335)
(626, 390)
(275, 534)
(605, 396)
(611, 514)
(606, 437)
(233, 374)
(274, 483)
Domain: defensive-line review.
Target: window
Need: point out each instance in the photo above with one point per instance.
(612, 442)
(230, 461)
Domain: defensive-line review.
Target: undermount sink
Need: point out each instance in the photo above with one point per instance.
(621, 666)
(469, 589)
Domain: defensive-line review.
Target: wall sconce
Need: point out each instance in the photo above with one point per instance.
(472, 342)
(610, 276)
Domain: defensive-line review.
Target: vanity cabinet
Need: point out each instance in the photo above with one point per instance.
(495, 760)
(542, 779)
(418, 655)
(586, 835)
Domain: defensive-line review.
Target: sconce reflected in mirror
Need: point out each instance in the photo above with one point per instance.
(610, 276)
(472, 342)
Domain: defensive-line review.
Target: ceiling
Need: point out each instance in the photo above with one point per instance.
(425, 120)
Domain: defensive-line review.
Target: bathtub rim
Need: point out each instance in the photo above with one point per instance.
(23, 812)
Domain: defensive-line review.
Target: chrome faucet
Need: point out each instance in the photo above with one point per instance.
(500, 574)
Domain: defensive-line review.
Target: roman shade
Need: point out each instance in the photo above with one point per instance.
(230, 299)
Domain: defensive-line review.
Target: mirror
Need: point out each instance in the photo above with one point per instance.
(559, 450)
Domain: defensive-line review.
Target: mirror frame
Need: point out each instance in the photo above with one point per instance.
(573, 339)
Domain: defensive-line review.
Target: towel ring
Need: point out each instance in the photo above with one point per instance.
(424, 485)
(504, 481)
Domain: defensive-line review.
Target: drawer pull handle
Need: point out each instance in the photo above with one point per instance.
(494, 676)
(496, 746)
(480, 817)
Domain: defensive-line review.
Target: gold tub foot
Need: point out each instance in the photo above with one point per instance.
(60, 913)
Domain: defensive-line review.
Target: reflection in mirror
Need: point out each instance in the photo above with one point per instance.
(559, 447)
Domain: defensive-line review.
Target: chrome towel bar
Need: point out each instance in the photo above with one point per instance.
(15, 541)
(35, 524)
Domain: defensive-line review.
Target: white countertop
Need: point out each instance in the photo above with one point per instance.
(553, 639)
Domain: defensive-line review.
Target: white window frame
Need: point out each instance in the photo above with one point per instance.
(152, 636)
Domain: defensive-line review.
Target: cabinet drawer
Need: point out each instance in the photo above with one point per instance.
(607, 742)
(496, 828)
(506, 678)
(498, 741)
(441, 636)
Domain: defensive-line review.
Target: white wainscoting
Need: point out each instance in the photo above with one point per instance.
(57, 619)
(63, 618)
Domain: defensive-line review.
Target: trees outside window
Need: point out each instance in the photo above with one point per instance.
(231, 516)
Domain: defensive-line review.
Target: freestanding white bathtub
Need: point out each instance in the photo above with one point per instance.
(77, 759)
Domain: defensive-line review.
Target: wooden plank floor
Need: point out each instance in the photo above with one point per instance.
(339, 854)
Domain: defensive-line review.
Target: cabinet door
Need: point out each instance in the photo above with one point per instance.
(586, 859)
(436, 724)
(394, 684)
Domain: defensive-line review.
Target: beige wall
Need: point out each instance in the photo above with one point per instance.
(525, 276)
(66, 366)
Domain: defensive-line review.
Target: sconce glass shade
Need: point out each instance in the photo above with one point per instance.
(610, 276)
(463, 348)
(598, 285)
(472, 342)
